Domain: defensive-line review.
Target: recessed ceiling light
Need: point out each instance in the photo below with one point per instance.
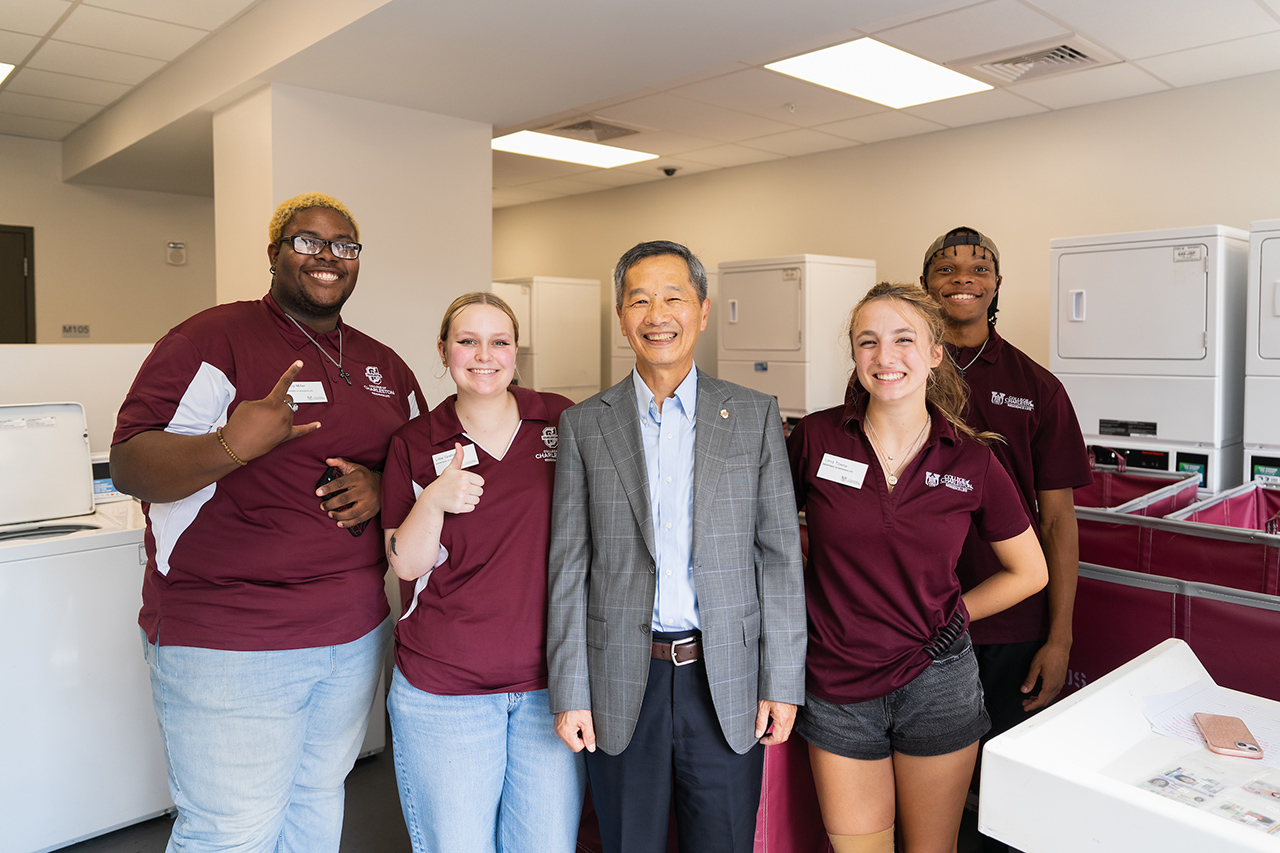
(874, 71)
(5, 69)
(545, 145)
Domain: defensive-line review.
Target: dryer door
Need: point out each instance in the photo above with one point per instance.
(1133, 303)
(1269, 299)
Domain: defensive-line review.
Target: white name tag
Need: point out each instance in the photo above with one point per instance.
(848, 472)
(469, 458)
(308, 392)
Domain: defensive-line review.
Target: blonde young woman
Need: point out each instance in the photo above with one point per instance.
(891, 483)
(466, 511)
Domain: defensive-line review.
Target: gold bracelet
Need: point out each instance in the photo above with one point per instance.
(230, 452)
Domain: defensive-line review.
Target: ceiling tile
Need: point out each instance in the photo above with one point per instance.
(889, 124)
(103, 28)
(797, 143)
(668, 112)
(206, 14)
(1091, 86)
(777, 96)
(16, 103)
(617, 177)
(973, 31)
(1140, 28)
(511, 170)
(992, 105)
(519, 195)
(40, 128)
(564, 186)
(32, 16)
(1217, 62)
(33, 81)
(654, 168)
(727, 156)
(14, 47)
(662, 142)
(892, 15)
(92, 62)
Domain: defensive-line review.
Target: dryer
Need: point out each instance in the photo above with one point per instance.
(1262, 354)
(1146, 336)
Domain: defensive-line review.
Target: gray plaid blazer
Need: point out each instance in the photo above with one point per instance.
(746, 561)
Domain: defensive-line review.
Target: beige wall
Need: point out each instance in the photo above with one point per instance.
(100, 252)
(1207, 154)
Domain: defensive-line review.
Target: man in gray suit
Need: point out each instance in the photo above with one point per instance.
(673, 541)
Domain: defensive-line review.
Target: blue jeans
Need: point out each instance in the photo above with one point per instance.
(481, 774)
(259, 744)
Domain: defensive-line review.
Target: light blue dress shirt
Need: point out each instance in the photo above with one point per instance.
(667, 437)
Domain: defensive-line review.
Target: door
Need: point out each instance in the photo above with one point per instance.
(1269, 296)
(762, 309)
(17, 285)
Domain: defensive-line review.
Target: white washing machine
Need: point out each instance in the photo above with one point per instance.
(1262, 354)
(1146, 336)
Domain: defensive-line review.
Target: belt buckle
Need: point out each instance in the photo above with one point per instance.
(684, 642)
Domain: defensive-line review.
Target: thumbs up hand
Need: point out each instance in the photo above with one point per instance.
(455, 490)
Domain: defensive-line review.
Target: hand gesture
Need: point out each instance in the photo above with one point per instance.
(455, 490)
(256, 426)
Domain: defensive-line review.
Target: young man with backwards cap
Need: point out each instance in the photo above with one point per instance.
(1022, 652)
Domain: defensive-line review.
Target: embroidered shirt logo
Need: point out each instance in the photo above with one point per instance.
(951, 481)
(999, 398)
(550, 438)
(375, 386)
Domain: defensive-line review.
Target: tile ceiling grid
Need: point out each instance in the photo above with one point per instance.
(75, 58)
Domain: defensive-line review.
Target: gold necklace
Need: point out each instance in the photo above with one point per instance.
(891, 474)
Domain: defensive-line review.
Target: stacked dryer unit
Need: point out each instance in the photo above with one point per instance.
(559, 333)
(1262, 354)
(782, 326)
(1145, 336)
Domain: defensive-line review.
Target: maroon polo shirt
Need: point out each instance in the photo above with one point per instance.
(1043, 450)
(480, 623)
(251, 562)
(881, 581)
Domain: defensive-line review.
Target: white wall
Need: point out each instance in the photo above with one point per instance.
(100, 252)
(1193, 156)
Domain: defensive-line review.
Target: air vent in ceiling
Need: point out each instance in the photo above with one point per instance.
(1031, 62)
(589, 130)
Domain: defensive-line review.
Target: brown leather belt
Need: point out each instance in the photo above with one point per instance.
(679, 652)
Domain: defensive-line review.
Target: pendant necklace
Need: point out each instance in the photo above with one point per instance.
(971, 361)
(338, 364)
(891, 474)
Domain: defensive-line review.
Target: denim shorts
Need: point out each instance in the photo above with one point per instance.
(938, 712)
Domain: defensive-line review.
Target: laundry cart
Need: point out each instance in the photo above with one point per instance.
(1146, 337)
(1107, 507)
(1262, 354)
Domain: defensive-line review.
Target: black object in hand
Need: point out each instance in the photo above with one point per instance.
(330, 474)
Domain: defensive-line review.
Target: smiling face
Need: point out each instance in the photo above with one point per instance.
(964, 280)
(480, 351)
(313, 288)
(892, 352)
(661, 315)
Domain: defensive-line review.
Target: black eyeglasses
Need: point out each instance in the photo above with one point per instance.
(304, 244)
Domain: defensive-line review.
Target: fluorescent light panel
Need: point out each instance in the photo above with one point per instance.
(533, 144)
(868, 69)
(5, 70)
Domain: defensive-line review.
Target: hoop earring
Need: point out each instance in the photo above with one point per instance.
(271, 270)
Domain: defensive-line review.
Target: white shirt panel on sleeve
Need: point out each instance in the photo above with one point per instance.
(202, 409)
